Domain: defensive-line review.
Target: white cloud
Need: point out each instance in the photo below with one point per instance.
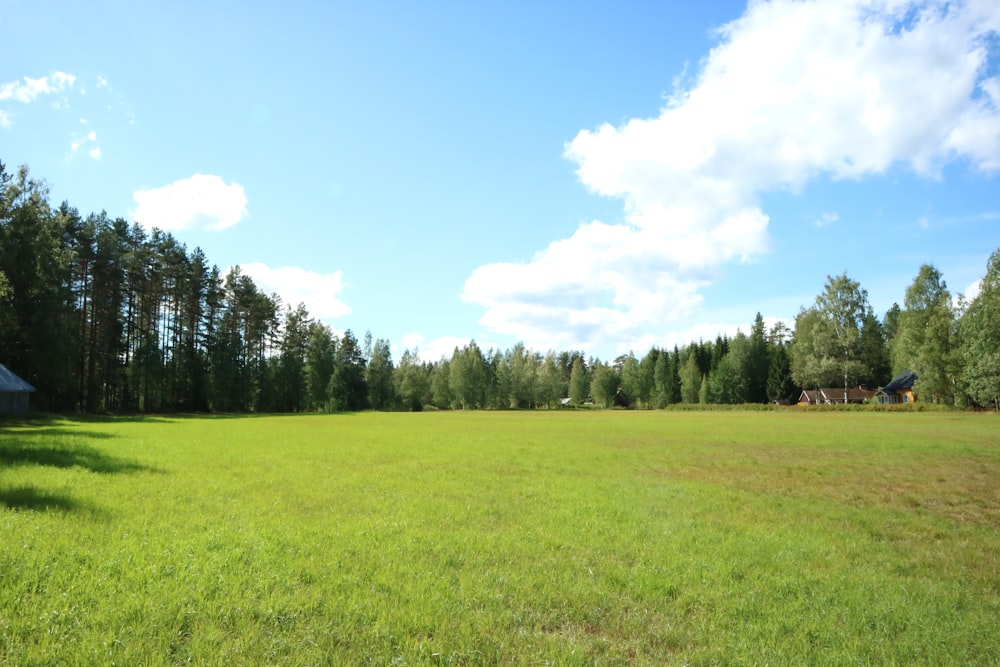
(827, 219)
(412, 341)
(435, 349)
(320, 292)
(28, 89)
(972, 291)
(794, 91)
(81, 141)
(203, 201)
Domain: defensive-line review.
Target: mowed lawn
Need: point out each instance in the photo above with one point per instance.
(526, 538)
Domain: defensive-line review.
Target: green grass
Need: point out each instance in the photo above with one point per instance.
(560, 538)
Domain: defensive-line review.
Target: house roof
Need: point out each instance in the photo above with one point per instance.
(858, 393)
(901, 382)
(10, 382)
(834, 394)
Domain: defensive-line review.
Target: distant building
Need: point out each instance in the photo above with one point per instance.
(900, 390)
(14, 393)
(835, 396)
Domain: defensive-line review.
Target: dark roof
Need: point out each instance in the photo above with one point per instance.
(902, 381)
(10, 382)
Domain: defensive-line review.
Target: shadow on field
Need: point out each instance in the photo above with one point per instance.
(30, 498)
(58, 446)
(41, 419)
(19, 451)
(269, 415)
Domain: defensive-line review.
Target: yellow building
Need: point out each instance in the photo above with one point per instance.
(900, 390)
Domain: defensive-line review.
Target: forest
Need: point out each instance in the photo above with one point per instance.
(103, 316)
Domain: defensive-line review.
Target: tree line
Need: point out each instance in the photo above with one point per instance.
(101, 315)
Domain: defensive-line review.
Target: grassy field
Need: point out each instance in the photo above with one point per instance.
(562, 538)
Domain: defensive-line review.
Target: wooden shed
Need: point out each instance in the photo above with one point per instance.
(14, 393)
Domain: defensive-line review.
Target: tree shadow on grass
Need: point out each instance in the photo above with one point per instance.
(18, 452)
(60, 445)
(49, 419)
(57, 446)
(30, 498)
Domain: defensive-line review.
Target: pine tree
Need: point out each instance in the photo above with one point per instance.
(380, 371)
(779, 375)
(348, 390)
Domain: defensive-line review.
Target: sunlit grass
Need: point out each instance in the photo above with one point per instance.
(512, 538)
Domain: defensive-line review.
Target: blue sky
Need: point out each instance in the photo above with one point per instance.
(597, 176)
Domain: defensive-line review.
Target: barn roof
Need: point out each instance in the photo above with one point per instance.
(10, 382)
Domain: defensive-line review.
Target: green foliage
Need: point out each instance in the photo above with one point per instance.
(348, 390)
(779, 376)
(441, 395)
(726, 384)
(523, 372)
(604, 385)
(839, 341)
(704, 397)
(691, 379)
(104, 317)
(980, 339)
(550, 385)
(291, 380)
(647, 379)
(926, 337)
(379, 376)
(570, 537)
(321, 356)
(756, 364)
(467, 377)
(36, 332)
(631, 381)
(412, 382)
(579, 383)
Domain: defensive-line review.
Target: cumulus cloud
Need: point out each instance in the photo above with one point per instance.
(792, 92)
(320, 292)
(972, 291)
(203, 201)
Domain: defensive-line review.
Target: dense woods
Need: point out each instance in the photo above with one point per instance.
(101, 315)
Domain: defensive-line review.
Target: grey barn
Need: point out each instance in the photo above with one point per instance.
(14, 393)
